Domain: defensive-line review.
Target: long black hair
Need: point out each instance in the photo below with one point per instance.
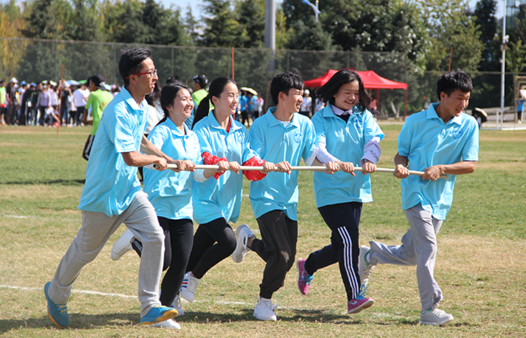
(168, 94)
(216, 88)
(344, 76)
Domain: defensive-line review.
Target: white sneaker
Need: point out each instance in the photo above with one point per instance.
(364, 267)
(265, 309)
(178, 306)
(188, 287)
(435, 317)
(122, 246)
(168, 324)
(243, 234)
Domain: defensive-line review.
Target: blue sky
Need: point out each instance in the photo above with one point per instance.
(197, 3)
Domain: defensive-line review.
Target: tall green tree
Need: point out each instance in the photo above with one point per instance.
(42, 21)
(191, 26)
(84, 23)
(221, 29)
(251, 18)
(123, 22)
(486, 22)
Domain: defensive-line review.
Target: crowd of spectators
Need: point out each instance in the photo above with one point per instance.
(45, 103)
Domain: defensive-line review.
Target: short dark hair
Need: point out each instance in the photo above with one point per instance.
(449, 82)
(130, 62)
(344, 76)
(97, 79)
(174, 79)
(283, 83)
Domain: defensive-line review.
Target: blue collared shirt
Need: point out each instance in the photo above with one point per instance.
(275, 143)
(111, 184)
(427, 141)
(170, 192)
(346, 141)
(213, 199)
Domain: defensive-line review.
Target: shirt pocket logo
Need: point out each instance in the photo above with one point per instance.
(297, 137)
(456, 133)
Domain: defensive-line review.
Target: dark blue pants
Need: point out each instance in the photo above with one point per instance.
(343, 220)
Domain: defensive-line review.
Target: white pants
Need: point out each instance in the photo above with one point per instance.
(96, 229)
(419, 247)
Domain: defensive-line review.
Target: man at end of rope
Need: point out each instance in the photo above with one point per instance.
(112, 194)
(440, 140)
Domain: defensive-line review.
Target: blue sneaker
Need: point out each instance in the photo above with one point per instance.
(58, 313)
(159, 314)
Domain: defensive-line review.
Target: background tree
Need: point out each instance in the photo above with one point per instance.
(251, 18)
(221, 27)
(11, 25)
(486, 22)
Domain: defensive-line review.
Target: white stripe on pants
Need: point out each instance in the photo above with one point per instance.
(419, 247)
(96, 229)
(347, 258)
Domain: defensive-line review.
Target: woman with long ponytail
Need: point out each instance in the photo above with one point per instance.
(217, 201)
(170, 193)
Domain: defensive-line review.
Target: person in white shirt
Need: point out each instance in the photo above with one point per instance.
(80, 97)
(306, 104)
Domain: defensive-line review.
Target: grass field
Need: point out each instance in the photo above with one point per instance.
(481, 264)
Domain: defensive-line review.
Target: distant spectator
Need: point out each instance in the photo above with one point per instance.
(12, 115)
(306, 105)
(80, 97)
(175, 80)
(520, 109)
(43, 102)
(3, 103)
(200, 83)
(97, 101)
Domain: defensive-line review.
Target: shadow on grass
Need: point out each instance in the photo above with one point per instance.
(76, 321)
(59, 182)
(287, 315)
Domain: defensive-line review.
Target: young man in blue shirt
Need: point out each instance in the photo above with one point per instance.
(440, 140)
(112, 194)
(284, 138)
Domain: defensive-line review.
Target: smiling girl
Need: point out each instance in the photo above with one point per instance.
(349, 132)
(217, 201)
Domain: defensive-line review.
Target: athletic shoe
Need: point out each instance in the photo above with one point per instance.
(159, 314)
(304, 278)
(358, 304)
(188, 287)
(122, 245)
(168, 324)
(58, 313)
(265, 309)
(243, 234)
(178, 306)
(364, 267)
(435, 317)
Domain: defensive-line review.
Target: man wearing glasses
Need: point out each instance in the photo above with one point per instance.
(112, 195)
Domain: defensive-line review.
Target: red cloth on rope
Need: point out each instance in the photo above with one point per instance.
(254, 175)
(210, 159)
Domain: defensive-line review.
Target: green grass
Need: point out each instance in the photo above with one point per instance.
(481, 265)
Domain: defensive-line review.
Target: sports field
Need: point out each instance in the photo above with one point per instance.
(481, 265)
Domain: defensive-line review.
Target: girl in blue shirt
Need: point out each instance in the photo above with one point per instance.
(170, 192)
(350, 134)
(217, 201)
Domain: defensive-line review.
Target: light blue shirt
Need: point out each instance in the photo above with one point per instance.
(111, 184)
(275, 143)
(213, 199)
(427, 141)
(170, 192)
(345, 141)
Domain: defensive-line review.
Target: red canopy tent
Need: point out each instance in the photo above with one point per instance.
(370, 80)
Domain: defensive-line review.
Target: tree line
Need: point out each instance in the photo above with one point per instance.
(430, 34)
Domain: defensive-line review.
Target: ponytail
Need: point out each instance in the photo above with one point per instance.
(202, 110)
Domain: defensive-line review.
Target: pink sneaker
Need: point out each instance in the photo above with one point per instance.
(304, 278)
(358, 304)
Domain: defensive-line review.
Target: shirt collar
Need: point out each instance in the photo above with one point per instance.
(215, 124)
(273, 121)
(131, 101)
(340, 112)
(432, 114)
(171, 125)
